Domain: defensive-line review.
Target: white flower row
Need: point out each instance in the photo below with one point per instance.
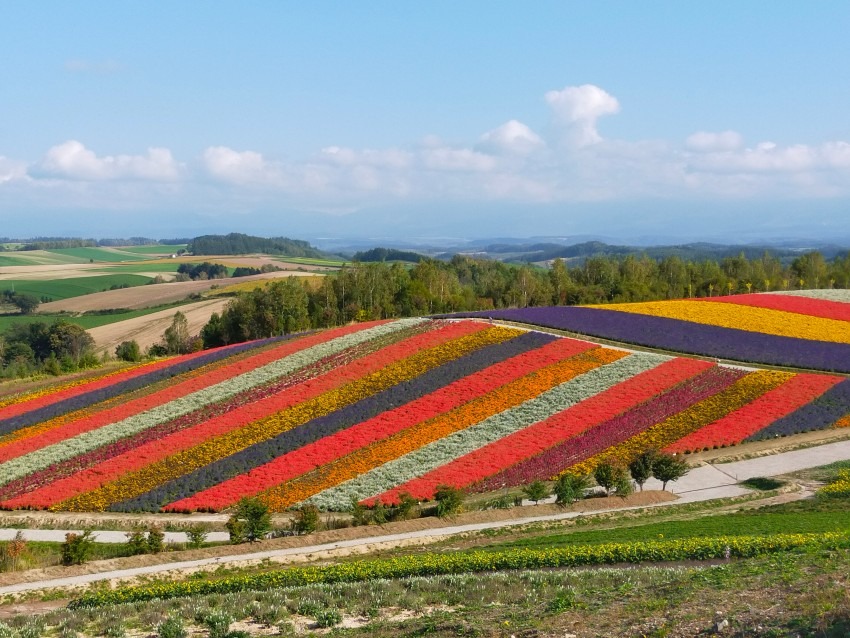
(832, 294)
(433, 455)
(87, 441)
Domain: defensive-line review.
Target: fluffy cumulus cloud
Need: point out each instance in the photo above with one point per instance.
(577, 108)
(511, 137)
(72, 160)
(239, 167)
(570, 162)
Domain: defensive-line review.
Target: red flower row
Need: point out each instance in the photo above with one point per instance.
(749, 419)
(497, 456)
(135, 406)
(157, 450)
(334, 447)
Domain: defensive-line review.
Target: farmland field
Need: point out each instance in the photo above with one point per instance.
(158, 249)
(372, 410)
(72, 286)
(98, 254)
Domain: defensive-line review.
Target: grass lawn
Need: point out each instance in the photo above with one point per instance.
(98, 254)
(36, 258)
(73, 286)
(144, 266)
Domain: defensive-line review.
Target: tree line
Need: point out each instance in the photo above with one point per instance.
(379, 290)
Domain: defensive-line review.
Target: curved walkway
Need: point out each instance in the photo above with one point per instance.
(701, 484)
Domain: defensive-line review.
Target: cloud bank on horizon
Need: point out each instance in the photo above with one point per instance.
(568, 160)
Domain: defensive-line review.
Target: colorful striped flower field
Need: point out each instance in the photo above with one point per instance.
(369, 411)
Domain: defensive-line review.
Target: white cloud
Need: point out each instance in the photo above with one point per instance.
(72, 160)
(578, 107)
(511, 137)
(240, 167)
(387, 158)
(11, 170)
(704, 141)
(456, 159)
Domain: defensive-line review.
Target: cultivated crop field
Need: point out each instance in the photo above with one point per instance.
(368, 411)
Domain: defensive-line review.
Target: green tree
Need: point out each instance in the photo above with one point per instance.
(536, 491)
(668, 467)
(129, 351)
(570, 488)
(641, 467)
(606, 476)
(250, 521)
(306, 519)
(197, 535)
(176, 336)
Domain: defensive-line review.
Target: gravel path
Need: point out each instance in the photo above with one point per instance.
(701, 484)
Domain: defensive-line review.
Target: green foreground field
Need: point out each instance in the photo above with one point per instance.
(799, 590)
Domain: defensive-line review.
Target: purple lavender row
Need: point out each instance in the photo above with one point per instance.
(87, 399)
(393, 397)
(683, 336)
(816, 415)
(613, 431)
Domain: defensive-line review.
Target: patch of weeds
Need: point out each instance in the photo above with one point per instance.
(565, 600)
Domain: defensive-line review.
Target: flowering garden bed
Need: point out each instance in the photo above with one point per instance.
(372, 410)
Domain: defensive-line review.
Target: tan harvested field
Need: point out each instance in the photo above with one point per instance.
(148, 329)
(151, 295)
(50, 271)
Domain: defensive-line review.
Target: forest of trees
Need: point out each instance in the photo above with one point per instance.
(29, 348)
(239, 244)
(377, 290)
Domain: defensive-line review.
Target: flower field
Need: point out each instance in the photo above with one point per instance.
(370, 411)
(810, 332)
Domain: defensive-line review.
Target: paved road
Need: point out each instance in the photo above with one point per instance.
(701, 484)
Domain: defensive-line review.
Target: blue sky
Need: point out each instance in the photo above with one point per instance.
(442, 119)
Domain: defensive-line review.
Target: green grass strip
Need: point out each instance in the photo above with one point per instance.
(459, 563)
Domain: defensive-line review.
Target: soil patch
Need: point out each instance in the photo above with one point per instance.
(148, 329)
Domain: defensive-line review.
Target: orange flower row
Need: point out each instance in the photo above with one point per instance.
(425, 432)
(140, 481)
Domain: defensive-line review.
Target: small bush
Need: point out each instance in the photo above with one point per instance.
(197, 535)
(449, 501)
(328, 618)
(171, 627)
(218, 622)
(306, 519)
(77, 548)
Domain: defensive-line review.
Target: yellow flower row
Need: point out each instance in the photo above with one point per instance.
(135, 483)
(750, 318)
(503, 398)
(673, 428)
